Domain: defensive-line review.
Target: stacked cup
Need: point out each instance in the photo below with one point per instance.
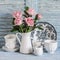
(37, 48)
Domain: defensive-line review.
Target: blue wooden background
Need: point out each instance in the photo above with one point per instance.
(50, 10)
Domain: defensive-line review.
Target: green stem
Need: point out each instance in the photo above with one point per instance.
(21, 29)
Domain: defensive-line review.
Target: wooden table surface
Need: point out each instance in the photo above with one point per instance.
(19, 56)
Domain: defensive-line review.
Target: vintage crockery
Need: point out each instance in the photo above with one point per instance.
(25, 42)
(50, 46)
(48, 32)
(10, 50)
(10, 41)
(38, 50)
(36, 43)
(35, 35)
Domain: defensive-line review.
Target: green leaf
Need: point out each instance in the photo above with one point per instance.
(13, 18)
(26, 8)
(35, 17)
(26, 14)
(13, 21)
(13, 30)
(39, 27)
(28, 31)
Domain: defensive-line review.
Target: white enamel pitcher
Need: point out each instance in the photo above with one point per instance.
(25, 42)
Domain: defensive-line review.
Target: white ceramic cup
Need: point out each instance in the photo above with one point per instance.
(10, 41)
(38, 50)
(50, 46)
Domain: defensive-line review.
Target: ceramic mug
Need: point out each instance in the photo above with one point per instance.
(38, 50)
(10, 41)
(50, 46)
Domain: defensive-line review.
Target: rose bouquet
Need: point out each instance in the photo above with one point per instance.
(26, 21)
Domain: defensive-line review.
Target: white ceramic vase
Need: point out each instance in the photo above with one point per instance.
(25, 42)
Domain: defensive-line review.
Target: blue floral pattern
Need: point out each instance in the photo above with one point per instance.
(48, 32)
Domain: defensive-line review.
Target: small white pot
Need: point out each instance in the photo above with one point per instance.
(38, 50)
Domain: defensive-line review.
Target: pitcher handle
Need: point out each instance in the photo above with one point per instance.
(19, 40)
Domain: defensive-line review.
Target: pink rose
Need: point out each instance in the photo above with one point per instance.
(17, 14)
(30, 11)
(39, 16)
(17, 21)
(29, 21)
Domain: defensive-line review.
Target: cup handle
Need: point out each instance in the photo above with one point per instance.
(19, 40)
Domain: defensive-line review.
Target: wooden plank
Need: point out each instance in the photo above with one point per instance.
(7, 7)
(11, 1)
